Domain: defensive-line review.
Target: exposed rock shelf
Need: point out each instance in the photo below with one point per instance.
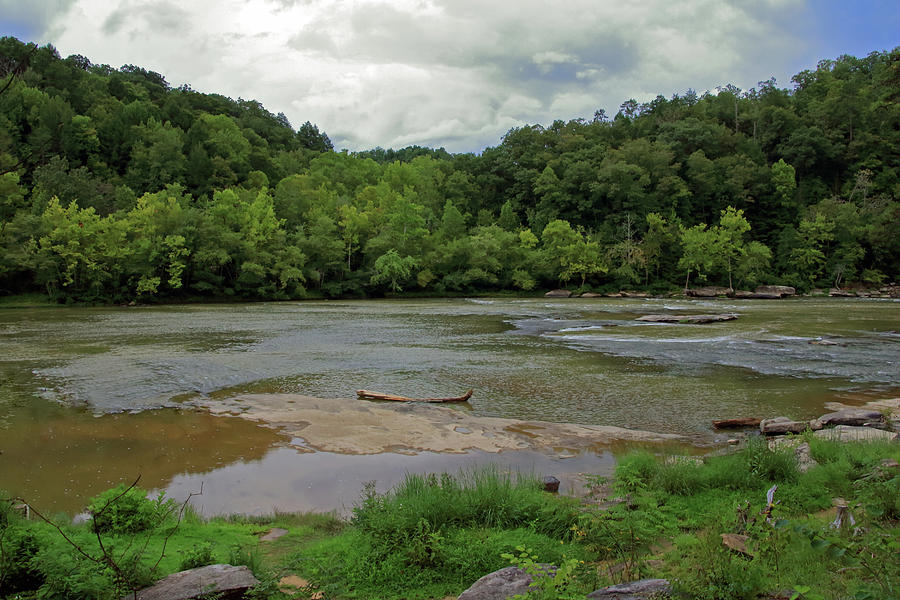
(348, 426)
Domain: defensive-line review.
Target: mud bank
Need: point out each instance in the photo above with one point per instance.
(352, 426)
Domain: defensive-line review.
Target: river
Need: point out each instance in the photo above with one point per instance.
(94, 396)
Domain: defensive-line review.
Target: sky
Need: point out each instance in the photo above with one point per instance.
(456, 74)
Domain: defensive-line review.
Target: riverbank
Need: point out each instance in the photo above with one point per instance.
(749, 524)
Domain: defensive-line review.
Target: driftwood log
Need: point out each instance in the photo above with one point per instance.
(736, 423)
(367, 395)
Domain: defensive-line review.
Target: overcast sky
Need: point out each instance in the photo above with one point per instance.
(454, 73)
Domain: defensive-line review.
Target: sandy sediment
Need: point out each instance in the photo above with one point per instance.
(353, 426)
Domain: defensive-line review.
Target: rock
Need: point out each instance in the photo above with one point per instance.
(645, 589)
(848, 433)
(824, 342)
(733, 441)
(227, 580)
(836, 293)
(762, 296)
(736, 423)
(634, 294)
(499, 585)
(889, 464)
(780, 290)
(852, 416)
(692, 319)
(736, 542)
(781, 426)
(551, 484)
(743, 294)
(591, 295)
(558, 294)
(805, 461)
(612, 295)
(710, 292)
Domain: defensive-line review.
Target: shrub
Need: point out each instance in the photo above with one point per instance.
(128, 510)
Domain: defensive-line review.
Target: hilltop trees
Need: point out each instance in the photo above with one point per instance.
(115, 186)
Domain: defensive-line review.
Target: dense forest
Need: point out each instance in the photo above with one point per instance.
(117, 187)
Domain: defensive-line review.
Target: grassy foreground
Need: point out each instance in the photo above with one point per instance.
(432, 536)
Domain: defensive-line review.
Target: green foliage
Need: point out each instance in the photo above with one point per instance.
(116, 187)
(125, 509)
(199, 555)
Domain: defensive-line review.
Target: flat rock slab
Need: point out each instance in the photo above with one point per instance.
(691, 319)
(645, 589)
(852, 416)
(849, 433)
(350, 426)
(226, 581)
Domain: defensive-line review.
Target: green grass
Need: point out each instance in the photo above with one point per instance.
(432, 536)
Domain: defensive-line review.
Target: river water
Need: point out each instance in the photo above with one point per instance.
(92, 396)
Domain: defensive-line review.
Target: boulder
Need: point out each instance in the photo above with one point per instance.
(558, 294)
(225, 581)
(849, 433)
(634, 295)
(692, 319)
(803, 455)
(780, 290)
(550, 483)
(743, 294)
(645, 589)
(591, 295)
(781, 426)
(612, 295)
(710, 292)
(499, 585)
(764, 296)
(852, 416)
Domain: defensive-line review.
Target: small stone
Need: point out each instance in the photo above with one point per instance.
(551, 484)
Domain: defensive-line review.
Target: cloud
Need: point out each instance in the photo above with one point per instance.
(454, 73)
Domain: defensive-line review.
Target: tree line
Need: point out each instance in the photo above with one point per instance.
(115, 186)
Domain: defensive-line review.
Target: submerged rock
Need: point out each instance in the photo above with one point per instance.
(691, 319)
(550, 483)
(224, 581)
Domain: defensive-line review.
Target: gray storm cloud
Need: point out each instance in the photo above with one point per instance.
(453, 73)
